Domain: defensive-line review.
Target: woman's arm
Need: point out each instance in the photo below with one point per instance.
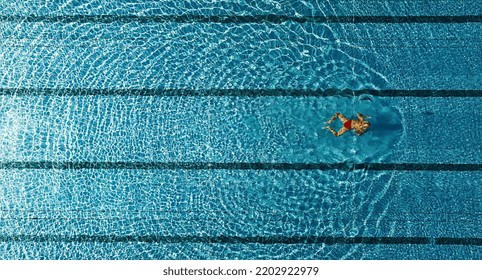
(361, 117)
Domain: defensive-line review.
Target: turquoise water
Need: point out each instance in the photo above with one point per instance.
(193, 130)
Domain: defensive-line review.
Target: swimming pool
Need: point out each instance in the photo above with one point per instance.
(194, 130)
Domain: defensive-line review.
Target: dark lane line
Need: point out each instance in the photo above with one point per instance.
(241, 166)
(237, 19)
(328, 240)
(237, 92)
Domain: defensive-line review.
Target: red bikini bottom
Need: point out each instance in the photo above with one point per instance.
(347, 124)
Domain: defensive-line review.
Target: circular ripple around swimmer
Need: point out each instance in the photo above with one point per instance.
(376, 144)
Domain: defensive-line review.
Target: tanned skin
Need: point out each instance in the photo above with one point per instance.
(360, 126)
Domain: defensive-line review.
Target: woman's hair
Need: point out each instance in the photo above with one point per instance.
(365, 125)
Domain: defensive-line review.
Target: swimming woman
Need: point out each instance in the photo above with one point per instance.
(360, 126)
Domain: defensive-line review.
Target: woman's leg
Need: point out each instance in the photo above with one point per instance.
(342, 118)
(337, 133)
(337, 115)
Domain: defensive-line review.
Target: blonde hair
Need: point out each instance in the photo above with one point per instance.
(365, 125)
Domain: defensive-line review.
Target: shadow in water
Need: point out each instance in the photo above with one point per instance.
(377, 143)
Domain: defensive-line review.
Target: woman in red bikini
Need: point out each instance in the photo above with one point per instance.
(360, 126)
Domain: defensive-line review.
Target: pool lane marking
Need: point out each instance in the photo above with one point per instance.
(65, 165)
(328, 240)
(238, 19)
(237, 92)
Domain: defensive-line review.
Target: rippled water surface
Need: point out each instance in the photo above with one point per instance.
(194, 130)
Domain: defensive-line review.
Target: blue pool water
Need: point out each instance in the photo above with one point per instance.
(194, 130)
